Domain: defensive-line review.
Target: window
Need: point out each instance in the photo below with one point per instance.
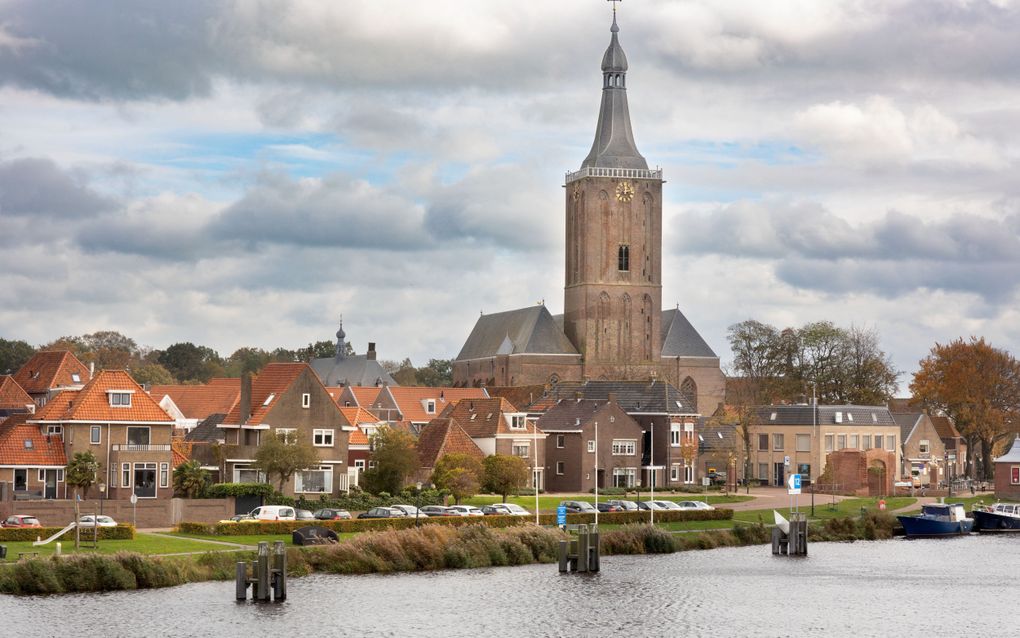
(924, 447)
(803, 442)
(763, 472)
(689, 432)
(622, 447)
(674, 434)
(269, 399)
(145, 480)
(371, 464)
(248, 474)
(518, 422)
(28, 444)
(763, 442)
(561, 441)
(688, 474)
(521, 449)
(777, 442)
(890, 442)
(322, 438)
(75, 377)
(42, 476)
(840, 441)
(560, 468)
(314, 481)
(125, 476)
(849, 417)
(54, 430)
(853, 442)
(359, 464)
(623, 258)
(306, 400)
(137, 435)
(866, 442)
(286, 434)
(1014, 475)
(95, 433)
(674, 472)
(828, 442)
(113, 475)
(164, 475)
(430, 406)
(624, 476)
(591, 446)
(878, 441)
(119, 399)
(20, 480)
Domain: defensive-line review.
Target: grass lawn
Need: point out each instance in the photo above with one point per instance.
(677, 526)
(825, 510)
(549, 503)
(142, 544)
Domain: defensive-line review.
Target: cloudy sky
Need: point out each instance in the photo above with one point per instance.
(241, 173)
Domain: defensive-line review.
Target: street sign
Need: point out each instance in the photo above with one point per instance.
(786, 461)
(793, 483)
(561, 515)
(134, 498)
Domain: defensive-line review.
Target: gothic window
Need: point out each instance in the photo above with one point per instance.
(689, 395)
(628, 342)
(647, 311)
(623, 258)
(602, 336)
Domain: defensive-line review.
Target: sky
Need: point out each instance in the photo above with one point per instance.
(242, 173)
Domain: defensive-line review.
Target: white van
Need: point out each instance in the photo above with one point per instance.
(274, 513)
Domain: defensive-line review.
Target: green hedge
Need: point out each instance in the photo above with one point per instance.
(371, 524)
(30, 534)
(225, 490)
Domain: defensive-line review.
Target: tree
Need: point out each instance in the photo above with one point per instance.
(110, 350)
(505, 474)
(978, 387)
(283, 455)
(458, 473)
(188, 362)
(81, 472)
(406, 374)
(395, 457)
(438, 372)
(13, 355)
(322, 350)
(246, 360)
(190, 479)
(152, 374)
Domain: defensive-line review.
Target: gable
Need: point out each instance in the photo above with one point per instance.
(51, 369)
(530, 330)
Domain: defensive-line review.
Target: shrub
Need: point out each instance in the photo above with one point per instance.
(29, 534)
(225, 490)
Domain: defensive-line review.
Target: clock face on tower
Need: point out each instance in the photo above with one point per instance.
(624, 192)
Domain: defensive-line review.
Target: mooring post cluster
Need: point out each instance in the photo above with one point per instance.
(794, 542)
(580, 554)
(268, 578)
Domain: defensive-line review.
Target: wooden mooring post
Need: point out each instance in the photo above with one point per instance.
(580, 554)
(793, 543)
(268, 578)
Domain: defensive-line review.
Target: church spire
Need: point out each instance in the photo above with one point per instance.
(341, 347)
(614, 145)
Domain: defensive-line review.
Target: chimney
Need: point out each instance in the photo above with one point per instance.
(245, 402)
(92, 369)
(370, 355)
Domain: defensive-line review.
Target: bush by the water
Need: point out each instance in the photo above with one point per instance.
(94, 572)
(872, 525)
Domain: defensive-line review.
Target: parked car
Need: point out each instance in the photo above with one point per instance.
(437, 510)
(716, 478)
(410, 510)
(627, 506)
(650, 505)
(465, 510)
(383, 512)
(238, 518)
(505, 509)
(605, 506)
(274, 513)
(695, 505)
(667, 505)
(96, 521)
(331, 514)
(21, 520)
(304, 515)
(578, 507)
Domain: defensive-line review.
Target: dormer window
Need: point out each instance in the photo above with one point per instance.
(518, 422)
(430, 406)
(120, 398)
(54, 430)
(773, 416)
(849, 416)
(28, 444)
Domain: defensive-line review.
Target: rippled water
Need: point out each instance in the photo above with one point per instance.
(888, 588)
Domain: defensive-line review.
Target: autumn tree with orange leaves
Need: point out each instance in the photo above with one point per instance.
(978, 386)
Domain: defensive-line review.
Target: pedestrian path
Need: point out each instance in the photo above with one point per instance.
(234, 546)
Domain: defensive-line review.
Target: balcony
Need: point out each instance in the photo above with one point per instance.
(631, 173)
(132, 447)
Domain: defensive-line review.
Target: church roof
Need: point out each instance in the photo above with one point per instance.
(614, 145)
(351, 370)
(680, 339)
(526, 330)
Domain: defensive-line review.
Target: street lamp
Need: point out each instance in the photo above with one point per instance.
(102, 496)
(417, 504)
(596, 473)
(814, 440)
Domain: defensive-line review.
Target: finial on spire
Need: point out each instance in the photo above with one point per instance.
(614, 28)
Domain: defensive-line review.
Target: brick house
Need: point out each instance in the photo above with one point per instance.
(192, 404)
(31, 462)
(413, 407)
(1007, 473)
(442, 436)
(288, 398)
(923, 453)
(13, 398)
(364, 424)
(361, 396)
(721, 450)
(49, 372)
(126, 430)
(497, 427)
(585, 434)
(954, 444)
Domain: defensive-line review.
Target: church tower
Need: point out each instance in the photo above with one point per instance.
(613, 292)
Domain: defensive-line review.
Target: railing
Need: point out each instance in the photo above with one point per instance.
(131, 447)
(631, 173)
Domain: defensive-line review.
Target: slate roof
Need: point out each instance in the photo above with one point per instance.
(680, 339)
(444, 436)
(565, 414)
(351, 370)
(12, 396)
(43, 451)
(274, 379)
(483, 418)
(51, 369)
(525, 330)
(92, 402)
(200, 401)
(208, 431)
(651, 397)
(716, 436)
(801, 415)
(411, 400)
(907, 422)
(1013, 456)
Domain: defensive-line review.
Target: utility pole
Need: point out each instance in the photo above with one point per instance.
(814, 440)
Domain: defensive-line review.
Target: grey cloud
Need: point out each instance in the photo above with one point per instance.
(38, 187)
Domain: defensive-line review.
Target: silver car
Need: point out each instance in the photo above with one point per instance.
(465, 510)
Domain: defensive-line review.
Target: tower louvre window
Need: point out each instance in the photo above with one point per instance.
(623, 258)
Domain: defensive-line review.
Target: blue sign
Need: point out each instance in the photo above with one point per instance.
(561, 515)
(796, 481)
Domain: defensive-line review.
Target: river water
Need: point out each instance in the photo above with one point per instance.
(952, 587)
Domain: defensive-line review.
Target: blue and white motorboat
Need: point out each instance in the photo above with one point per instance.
(938, 519)
(1001, 517)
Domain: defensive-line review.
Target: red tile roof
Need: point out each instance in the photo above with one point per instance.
(43, 450)
(180, 451)
(945, 428)
(92, 403)
(482, 418)
(365, 395)
(199, 401)
(267, 387)
(411, 400)
(51, 369)
(356, 416)
(444, 436)
(12, 396)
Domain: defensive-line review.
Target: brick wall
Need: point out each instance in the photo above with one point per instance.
(848, 469)
(150, 513)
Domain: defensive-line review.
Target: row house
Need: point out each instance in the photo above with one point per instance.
(357, 396)
(922, 458)
(192, 404)
(359, 451)
(13, 398)
(31, 462)
(790, 439)
(283, 399)
(49, 372)
(591, 443)
(412, 407)
(123, 427)
(497, 427)
(440, 437)
(721, 450)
